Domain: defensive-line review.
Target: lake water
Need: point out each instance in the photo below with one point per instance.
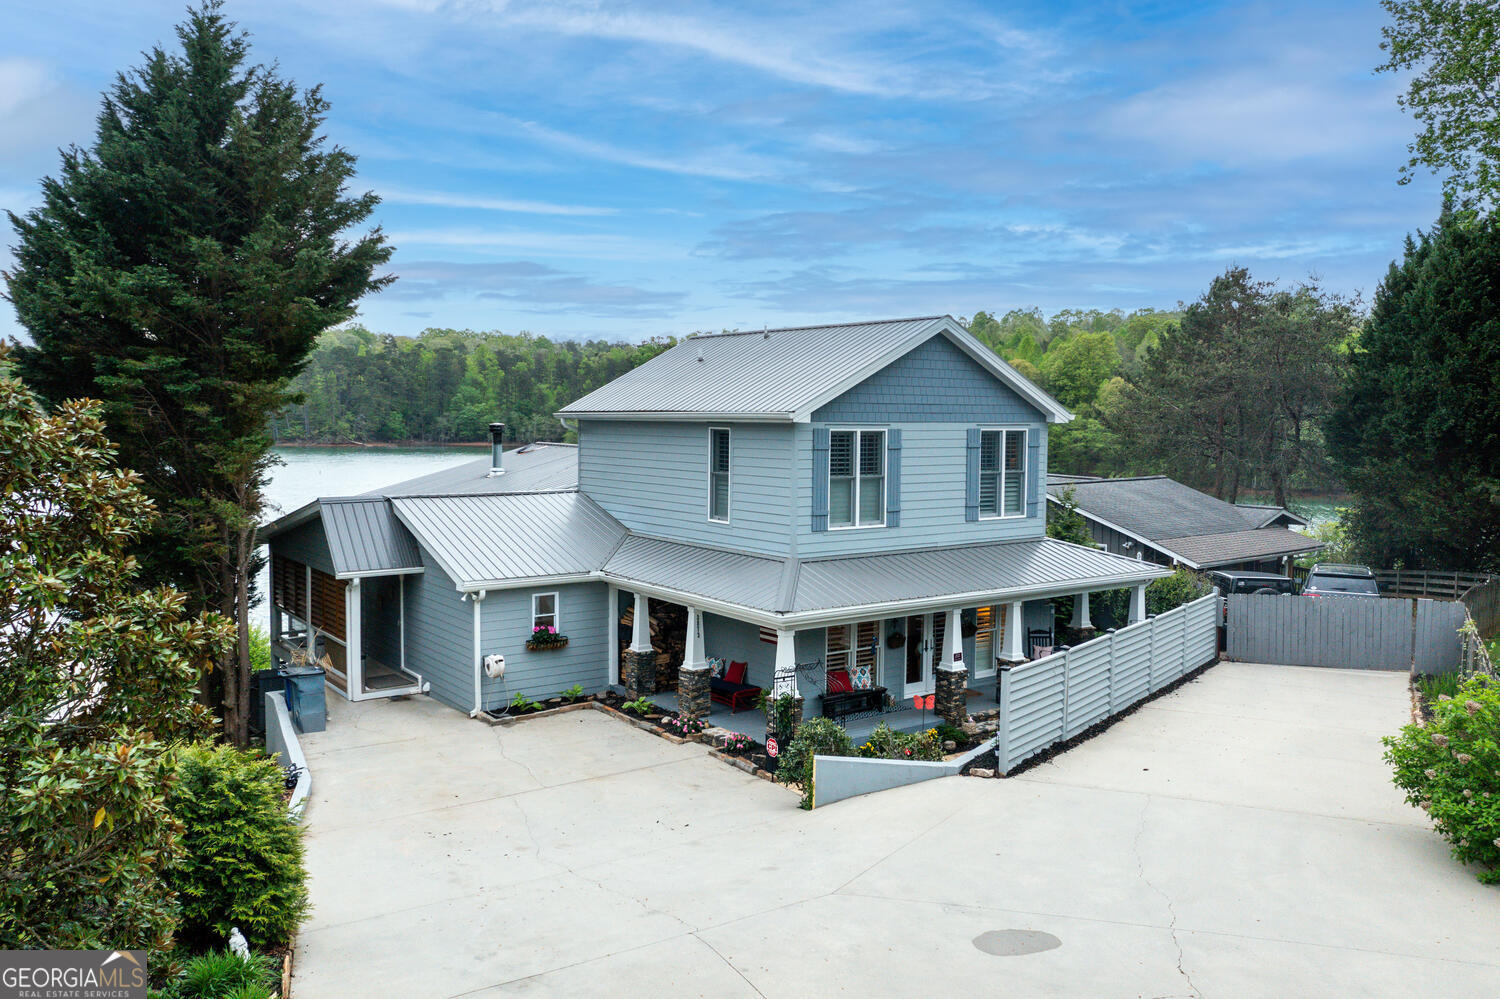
(309, 472)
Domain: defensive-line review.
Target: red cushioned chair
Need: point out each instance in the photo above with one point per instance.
(732, 690)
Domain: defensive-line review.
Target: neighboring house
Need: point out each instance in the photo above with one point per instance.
(1157, 519)
(867, 497)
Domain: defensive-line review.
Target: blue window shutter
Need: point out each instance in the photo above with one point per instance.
(971, 465)
(893, 478)
(820, 479)
(1033, 470)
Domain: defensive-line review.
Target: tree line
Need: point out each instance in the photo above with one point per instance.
(445, 386)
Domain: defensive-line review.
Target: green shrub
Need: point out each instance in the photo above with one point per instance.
(222, 974)
(951, 733)
(815, 737)
(244, 855)
(573, 693)
(641, 706)
(260, 649)
(885, 744)
(1171, 592)
(1433, 687)
(1451, 769)
(521, 704)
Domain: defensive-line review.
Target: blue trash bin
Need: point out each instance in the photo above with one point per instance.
(305, 700)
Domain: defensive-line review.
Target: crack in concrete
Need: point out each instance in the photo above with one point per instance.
(1140, 870)
(729, 965)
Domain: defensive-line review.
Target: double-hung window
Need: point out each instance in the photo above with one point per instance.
(718, 474)
(544, 611)
(1002, 473)
(856, 478)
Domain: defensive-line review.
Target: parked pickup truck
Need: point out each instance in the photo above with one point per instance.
(1332, 579)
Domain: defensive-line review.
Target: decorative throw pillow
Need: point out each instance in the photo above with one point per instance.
(716, 667)
(862, 678)
(838, 681)
(736, 672)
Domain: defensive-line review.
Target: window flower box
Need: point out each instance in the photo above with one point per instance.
(546, 637)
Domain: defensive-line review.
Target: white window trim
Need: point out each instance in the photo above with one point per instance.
(1000, 513)
(885, 475)
(728, 475)
(556, 609)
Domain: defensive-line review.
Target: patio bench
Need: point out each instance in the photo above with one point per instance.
(732, 691)
(843, 699)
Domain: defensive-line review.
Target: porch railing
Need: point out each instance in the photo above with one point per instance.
(1051, 700)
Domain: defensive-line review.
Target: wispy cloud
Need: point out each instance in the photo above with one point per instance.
(455, 199)
(529, 286)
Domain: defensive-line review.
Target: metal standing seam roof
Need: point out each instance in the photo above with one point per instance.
(1209, 550)
(785, 586)
(364, 537)
(502, 537)
(824, 584)
(753, 581)
(781, 373)
(530, 469)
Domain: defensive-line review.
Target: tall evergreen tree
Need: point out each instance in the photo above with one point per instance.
(1416, 432)
(180, 270)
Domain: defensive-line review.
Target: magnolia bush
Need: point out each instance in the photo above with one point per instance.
(1450, 768)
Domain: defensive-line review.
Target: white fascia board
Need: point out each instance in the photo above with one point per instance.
(724, 608)
(265, 532)
(686, 416)
(372, 573)
(975, 598)
(522, 582)
(1155, 545)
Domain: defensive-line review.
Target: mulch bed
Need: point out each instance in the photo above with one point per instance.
(984, 761)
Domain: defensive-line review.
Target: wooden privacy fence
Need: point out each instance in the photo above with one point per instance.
(1051, 700)
(1346, 632)
(1482, 604)
(1440, 583)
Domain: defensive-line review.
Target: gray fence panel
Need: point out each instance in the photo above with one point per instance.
(1056, 698)
(1348, 633)
(1438, 647)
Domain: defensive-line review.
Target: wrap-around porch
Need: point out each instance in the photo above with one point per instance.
(909, 671)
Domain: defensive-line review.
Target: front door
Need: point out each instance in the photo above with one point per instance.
(924, 642)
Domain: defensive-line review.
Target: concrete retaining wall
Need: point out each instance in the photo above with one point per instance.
(281, 741)
(838, 777)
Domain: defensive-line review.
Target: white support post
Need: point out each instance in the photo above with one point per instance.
(953, 644)
(354, 675)
(692, 652)
(477, 598)
(640, 626)
(401, 616)
(785, 674)
(612, 631)
(1081, 611)
(1015, 632)
(1138, 603)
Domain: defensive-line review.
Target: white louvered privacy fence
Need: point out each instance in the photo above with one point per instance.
(1054, 699)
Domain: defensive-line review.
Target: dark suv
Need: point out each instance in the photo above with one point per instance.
(1331, 579)
(1230, 581)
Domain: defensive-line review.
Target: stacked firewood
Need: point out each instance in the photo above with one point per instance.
(669, 638)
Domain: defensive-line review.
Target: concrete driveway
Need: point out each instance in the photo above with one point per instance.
(1237, 838)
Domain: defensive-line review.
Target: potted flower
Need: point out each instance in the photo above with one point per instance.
(546, 637)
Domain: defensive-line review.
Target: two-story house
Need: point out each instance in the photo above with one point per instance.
(866, 501)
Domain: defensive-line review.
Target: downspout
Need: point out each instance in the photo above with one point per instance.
(478, 655)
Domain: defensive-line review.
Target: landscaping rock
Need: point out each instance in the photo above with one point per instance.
(949, 746)
(981, 772)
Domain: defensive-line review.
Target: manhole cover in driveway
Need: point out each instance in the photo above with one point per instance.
(1016, 943)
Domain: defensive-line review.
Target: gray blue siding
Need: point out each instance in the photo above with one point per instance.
(934, 383)
(440, 636)
(506, 625)
(653, 478)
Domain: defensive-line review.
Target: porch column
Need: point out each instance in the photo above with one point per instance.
(1080, 612)
(640, 661)
(692, 676)
(354, 673)
(1015, 633)
(1138, 603)
(784, 685)
(952, 678)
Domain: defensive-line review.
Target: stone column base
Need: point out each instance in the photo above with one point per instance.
(692, 693)
(640, 673)
(949, 698)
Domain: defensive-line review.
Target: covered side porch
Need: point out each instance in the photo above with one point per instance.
(907, 659)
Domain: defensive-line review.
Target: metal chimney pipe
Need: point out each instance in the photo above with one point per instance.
(497, 451)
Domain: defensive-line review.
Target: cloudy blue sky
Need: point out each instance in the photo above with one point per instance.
(621, 170)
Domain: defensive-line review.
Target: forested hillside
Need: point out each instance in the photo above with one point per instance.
(446, 386)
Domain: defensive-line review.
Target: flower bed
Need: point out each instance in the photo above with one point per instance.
(544, 638)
